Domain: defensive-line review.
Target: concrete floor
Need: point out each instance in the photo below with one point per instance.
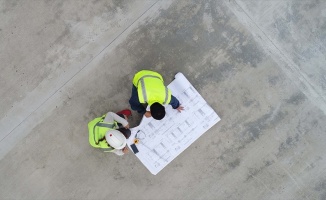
(259, 64)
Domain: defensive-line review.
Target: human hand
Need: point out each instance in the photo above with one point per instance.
(180, 108)
(125, 149)
(127, 126)
(148, 114)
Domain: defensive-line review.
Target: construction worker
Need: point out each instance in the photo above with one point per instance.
(110, 132)
(149, 89)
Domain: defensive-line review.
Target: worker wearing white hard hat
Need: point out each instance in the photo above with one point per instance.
(110, 132)
(115, 139)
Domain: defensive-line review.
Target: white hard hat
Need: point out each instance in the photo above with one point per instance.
(115, 139)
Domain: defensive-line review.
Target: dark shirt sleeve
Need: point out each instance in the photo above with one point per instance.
(174, 102)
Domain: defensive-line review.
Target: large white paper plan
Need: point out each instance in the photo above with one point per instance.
(163, 140)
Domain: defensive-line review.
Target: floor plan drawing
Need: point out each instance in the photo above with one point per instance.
(162, 141)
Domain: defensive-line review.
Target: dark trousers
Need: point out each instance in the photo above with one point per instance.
(134, 101)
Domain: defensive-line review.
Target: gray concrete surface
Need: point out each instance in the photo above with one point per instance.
(259, 64)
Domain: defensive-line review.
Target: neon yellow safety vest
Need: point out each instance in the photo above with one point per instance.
(97, 130)
(150, 87)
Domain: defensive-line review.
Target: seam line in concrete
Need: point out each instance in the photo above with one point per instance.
(293, 71)
(79, 70)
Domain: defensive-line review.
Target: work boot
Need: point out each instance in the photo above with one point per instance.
(125, 112)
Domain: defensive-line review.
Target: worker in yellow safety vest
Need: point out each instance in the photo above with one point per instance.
(110, 132)
(149, 89)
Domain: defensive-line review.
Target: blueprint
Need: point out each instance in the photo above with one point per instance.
(162, 141)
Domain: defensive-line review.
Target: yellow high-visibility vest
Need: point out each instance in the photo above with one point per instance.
(97, 130)
(150, 87)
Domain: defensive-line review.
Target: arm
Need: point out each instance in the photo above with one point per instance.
(175, 103)
(111, 117)
(120, 152)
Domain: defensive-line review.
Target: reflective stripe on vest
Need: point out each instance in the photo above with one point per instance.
(142, 73)
(143, 96)
(101, 124)
(97, 129)
(143, 88)
(108, 149)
